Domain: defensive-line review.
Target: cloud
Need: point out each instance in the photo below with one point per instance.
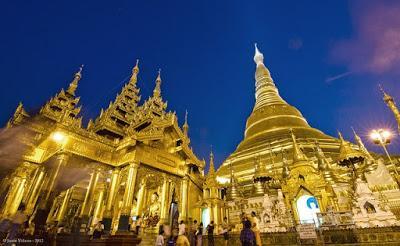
(375, 45)
(295, 43)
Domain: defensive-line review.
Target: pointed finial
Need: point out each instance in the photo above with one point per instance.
(298, 155)
(386, 97)
(159, 74)
(79, 73)
(136, 67)
(258, 56)
(157, 89)
(74, 84)
(212, 169)
(361, 145)
(186, 125)
(135, 71)
(340, 136)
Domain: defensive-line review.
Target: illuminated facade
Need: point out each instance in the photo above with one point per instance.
(289, 172)
(132, 160)
(135, 160)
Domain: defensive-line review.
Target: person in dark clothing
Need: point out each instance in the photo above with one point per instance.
(247, 236)
(210, 232)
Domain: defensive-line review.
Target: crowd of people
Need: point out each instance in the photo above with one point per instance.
(18, 226)
(194, 234)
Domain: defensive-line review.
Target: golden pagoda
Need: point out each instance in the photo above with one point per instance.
(131, 161)
(282, 154)
(135, 161)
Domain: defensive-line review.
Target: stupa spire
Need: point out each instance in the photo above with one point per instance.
(361, 145)
(135, 72)
(74, 84)
(157, 89)
(347, 155)
(212, 168)
(266, 91)
(323, 163)
(186, 125)
(298, 155)
(392, 105)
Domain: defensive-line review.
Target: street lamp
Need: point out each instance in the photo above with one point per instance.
(382, 137)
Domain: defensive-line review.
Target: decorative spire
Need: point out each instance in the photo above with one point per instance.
(258, 56)
(185, 125)
(233, 191)
(19, 115)
(157, 89)
(361, 145)
(212, 169)
(135, 72)
(323, 163)
(266, 91)
(347, 155)
(298, 155)
(74, 84)
(392, 105)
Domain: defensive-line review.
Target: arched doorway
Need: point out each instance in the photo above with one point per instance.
(307, 209)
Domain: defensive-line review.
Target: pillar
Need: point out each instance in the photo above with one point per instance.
(184, 198)
(216, 214)
(64, 205)
(97, 208)
(123, 224)
(37, 186)
(14, 196)
(85, 210)
(61, 160)
(141, 197)
(30, 186)
(107, 220)
(164, 200)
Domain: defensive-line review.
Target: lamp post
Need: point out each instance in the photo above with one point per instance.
(382, 137)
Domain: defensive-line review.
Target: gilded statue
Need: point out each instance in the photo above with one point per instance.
(152, 215)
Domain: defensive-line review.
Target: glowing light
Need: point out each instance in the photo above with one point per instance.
(386, 134)
(381, 136)
(222, 180)
(58, 137)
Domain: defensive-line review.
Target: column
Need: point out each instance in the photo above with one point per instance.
(51, 215)
(123, 224)
(30, 205)
(216, 214)
(64, 205)
(14, 196)
(164, 201)
(61, 160)
(184, 198)
(97, 209)
(107, 220)
(211, 212)
(89, 195)
(30, 186)
(141, 197)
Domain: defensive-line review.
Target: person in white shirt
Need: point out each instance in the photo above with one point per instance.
(160, 237)
(182, 228)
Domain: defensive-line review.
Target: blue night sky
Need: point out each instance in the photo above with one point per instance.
(326, 58)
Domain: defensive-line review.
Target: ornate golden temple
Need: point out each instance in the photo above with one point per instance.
(135, 160)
